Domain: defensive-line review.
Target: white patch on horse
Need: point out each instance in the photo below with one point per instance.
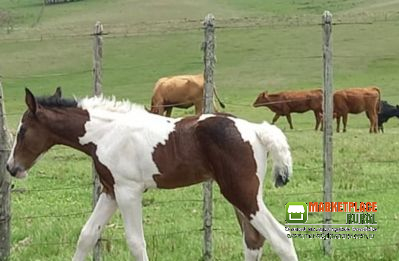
(205, 116)
(274, 232)
(252, 254)
(125, 135)
(248, 134)
(11, 160)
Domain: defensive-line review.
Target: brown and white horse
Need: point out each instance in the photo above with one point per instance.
(134, 150)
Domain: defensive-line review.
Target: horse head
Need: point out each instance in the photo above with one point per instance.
(32, 138)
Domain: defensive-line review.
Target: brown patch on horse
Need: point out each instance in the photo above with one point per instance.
(106, 178)
(66, 128)
(104, 174)
(180, 160)
(253, 239)
(210, 148)
(232, 160)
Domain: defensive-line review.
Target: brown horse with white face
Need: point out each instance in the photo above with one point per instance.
(134, 150)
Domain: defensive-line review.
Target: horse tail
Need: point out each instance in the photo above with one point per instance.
(217, 98)
(276, 144)
(379, 100)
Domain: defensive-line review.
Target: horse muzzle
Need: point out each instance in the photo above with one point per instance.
(16, 171)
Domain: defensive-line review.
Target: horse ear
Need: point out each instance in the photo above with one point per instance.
(30, 100)
(58, 92)
(264, 94)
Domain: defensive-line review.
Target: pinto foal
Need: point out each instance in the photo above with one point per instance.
(134, 150)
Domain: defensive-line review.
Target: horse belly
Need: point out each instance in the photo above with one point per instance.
(356, 109)
(298, 107)
(181, 175)
(182, 106)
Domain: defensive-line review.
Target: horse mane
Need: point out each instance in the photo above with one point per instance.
(110, 104)
(54, 101)
(97, 102)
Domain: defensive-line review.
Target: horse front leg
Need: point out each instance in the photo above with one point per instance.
(290, 121)
(103, 211)
(129, 197)
(168, 111)
(275, 118)
(344, 122)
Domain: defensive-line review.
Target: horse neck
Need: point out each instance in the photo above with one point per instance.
(67, 125)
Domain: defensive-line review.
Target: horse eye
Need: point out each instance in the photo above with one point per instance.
(21, 133)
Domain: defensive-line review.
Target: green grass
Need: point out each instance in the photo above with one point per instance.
(261, 45)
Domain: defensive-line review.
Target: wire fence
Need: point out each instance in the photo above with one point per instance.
(183, 25)
(198, 230)
(193, 25)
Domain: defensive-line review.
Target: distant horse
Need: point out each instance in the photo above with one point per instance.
(134, 150)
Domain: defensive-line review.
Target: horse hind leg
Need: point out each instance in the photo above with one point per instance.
(318, 120)
(260, 222)
(264, 222)
(252, 240)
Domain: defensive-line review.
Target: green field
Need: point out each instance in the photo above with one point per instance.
(261, 45)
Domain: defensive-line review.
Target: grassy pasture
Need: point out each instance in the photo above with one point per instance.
(273, 45)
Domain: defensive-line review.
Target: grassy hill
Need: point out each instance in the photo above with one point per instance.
(261, 45)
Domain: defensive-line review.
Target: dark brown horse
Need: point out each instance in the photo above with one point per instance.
(134, 150)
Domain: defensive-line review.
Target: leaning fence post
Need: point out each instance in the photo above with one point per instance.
(209, 61)
(97, 90)
(327, 122)
(5, 184)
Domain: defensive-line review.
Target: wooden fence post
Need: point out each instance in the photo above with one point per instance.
(5, 184)
(97, 91)
(97, 58)
(209, 61)
(327, 122)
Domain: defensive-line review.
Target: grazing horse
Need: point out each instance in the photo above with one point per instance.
(134, 150)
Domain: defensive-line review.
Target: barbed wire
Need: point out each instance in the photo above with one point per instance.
(47, 75)
(24, 190)
(231, 232)
(336, 191)
(271, 96)
(69, 215)
(165, 27)
(141, 66)
(150, 203)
